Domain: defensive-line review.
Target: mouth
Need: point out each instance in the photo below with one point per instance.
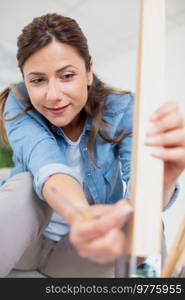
(57, 110)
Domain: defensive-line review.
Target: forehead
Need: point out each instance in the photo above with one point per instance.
(54, 55)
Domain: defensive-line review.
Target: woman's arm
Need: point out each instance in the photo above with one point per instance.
(65, 195)
(96, 230)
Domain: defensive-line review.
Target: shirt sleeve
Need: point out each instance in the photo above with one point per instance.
(34, 146)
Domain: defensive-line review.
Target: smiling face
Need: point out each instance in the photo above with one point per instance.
(56, 80)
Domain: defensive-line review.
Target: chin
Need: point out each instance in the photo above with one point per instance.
(58, 123)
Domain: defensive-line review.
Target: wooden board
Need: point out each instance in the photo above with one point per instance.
(147, 172)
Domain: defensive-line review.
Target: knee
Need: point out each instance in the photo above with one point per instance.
(23, 177)
(18, 188)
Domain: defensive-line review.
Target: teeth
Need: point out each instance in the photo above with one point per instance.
(57, 108)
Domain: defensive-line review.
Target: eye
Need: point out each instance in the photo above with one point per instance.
(36, 80)
(67, 76)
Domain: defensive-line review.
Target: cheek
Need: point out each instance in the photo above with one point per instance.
(35, 97)
(82, 93)
(34, 101)
(82, 98)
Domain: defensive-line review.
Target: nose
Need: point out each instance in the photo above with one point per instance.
(53, 93)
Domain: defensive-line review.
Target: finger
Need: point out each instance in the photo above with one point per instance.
(170, 121)
(116, 217)
(90, 212)
(96, 227)
(170, 154)
(105, 248)
(97, 210)
(169, 139)
(88, 230)
(163, 110)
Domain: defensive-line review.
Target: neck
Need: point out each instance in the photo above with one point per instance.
(75, 128)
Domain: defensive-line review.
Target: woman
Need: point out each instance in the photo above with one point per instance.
(71, 138)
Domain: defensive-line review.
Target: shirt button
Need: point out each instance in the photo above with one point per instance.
(85, 149)
(88, 174)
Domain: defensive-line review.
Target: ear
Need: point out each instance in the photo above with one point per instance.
(90, 74)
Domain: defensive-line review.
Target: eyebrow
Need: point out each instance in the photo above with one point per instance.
(58, 71)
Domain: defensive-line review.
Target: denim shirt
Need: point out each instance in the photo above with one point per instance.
(39, 147)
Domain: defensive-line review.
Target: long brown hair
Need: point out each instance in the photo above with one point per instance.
(39, 33)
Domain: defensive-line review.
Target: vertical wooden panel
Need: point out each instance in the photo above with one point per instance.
(147, 171)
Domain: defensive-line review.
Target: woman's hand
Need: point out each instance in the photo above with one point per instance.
(97, 232)
(168, 132)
